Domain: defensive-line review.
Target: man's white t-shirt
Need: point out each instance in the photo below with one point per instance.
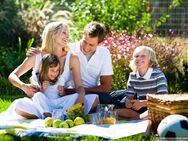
(100, 64)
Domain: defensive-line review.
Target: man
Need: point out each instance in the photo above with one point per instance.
(95, 63)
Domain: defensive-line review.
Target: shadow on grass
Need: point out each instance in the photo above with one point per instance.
(7, 96)
(8, 137)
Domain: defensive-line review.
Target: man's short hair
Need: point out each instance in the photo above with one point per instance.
(96, 29)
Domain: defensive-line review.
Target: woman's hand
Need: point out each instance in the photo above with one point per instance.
(81, 98)
(61, 90)
(44, 86)
(30, 89)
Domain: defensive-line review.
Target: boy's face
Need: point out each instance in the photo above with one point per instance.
(53, 72)
(88, 44)
(141, 60)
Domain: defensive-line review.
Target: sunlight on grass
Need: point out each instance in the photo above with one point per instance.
(4, 104)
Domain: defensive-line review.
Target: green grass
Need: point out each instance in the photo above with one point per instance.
(5, 101)
(12, 137)
(9, 94)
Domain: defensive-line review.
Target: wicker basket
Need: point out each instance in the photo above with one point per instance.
(160, 106)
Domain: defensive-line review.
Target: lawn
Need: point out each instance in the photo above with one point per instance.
(6, 97)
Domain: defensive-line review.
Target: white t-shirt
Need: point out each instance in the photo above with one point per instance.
(100, 64)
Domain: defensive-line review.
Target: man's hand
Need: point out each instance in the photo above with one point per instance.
(30, 89)
(69, 91)
(32, 51)
(128, 103)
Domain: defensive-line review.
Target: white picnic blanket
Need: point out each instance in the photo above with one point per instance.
(119, 130)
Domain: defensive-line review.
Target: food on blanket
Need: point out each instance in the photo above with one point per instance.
(70, 122)
(56, 123)
(79, 121)
(63, 125)
(48, 122)
(77, 111)
(110, 120)
(79, 106)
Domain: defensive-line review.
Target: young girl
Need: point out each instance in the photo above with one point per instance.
(49, 87)
(146, 78)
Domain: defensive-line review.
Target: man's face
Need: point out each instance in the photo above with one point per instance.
(88, 44)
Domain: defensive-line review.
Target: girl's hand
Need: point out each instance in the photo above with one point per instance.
(44, 86)
(61, 90)
(30, 89)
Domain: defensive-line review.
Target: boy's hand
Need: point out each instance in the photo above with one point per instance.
(128, 103)
(137, 104)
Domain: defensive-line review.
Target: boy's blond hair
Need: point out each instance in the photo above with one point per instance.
(151, 54)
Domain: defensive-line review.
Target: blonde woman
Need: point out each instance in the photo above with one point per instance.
(146, 78)
(54, 40)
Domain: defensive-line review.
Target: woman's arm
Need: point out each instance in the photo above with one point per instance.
(75, 68)
(14, 77)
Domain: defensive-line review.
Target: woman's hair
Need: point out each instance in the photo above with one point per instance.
(95, 29)
(151, 54)
(48, 35)
(48, 61)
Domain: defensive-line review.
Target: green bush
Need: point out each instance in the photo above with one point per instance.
(11, 24)
(128, 15)
(168, 51)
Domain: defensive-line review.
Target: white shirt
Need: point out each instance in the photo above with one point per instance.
(100, 64)
(147, 75)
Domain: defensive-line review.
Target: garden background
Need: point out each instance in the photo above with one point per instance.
(162, 25)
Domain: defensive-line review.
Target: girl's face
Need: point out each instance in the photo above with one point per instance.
(53, 72)
(62, 36)
(141, 60)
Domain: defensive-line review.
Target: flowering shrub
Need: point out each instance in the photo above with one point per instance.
(122, 45)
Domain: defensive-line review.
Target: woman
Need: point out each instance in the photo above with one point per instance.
(54, 40)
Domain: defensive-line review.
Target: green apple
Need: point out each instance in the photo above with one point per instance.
(48, 122)
(78, 121)
(64, 125)
(70, 122)
(56, 123)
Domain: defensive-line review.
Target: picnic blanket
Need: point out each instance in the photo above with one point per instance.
(118, 130)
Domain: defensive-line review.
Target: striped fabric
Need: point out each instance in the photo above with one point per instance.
(156, 84)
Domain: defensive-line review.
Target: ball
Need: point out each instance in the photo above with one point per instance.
(173, 126)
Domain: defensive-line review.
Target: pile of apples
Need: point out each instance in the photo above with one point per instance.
(58, 123)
